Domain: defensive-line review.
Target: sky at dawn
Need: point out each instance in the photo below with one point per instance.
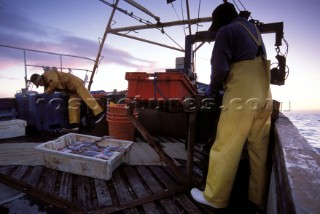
(75, 27)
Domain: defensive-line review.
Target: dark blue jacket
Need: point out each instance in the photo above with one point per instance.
(232, 44)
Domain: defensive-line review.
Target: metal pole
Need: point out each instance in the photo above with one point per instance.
(188, 12)
(101, 45)
(46, 52)
(191, 136)
(148, 41)
(158, 149)
(161, 25)
(60, 62)
(25, 69)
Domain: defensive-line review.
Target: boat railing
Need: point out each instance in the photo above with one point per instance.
(295, 183)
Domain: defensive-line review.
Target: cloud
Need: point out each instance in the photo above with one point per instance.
(19, 31)
(9, 78)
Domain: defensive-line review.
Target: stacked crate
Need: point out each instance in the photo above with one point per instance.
(43, 112)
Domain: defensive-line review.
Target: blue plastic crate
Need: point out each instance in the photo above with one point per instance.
(7, 109)
(43, 112)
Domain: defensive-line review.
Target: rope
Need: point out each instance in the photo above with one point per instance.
(156, 88)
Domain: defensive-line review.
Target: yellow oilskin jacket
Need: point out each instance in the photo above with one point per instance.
(61, 81)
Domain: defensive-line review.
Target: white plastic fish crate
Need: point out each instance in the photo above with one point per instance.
(56, 158)
(12, 128)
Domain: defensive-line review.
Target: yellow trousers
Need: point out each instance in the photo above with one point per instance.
(245, 117)
(75, 104)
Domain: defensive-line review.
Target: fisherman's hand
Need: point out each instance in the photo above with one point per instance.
(214, 98)
(211, 92)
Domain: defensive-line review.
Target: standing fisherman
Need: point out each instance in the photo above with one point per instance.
(239, 65)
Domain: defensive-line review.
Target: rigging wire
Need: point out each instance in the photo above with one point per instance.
(197, 47)
(141, 20)
(277, 48)
(181, 5)
(198, 14)
(144, 21)
(287, 49)
(182, 14)
(242, 7)
(178, 16)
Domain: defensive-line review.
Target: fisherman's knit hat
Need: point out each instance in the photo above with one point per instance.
(35, 78)
(222, 15)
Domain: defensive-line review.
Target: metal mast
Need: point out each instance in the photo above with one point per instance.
(102, 44)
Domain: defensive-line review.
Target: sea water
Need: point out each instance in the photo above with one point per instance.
(308, 124)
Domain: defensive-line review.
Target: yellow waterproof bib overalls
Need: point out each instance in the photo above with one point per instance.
(76, 90)
(245, 118)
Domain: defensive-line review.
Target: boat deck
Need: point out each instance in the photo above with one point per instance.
(132, 189)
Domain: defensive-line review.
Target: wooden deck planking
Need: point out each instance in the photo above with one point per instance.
(124, 193)
(136, 183)
(103, 194)
(138, 186)
(65, 190)
(132, 189)
(187, 205)
(6, 169)
(170, 206)
(19, 172)
(84, 195)
(150, 180)
(164, 177)
(128, 183)
(34, 175)
(48, 180)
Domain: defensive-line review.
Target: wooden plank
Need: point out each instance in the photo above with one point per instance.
(6, 170)
(172, 140)
(187, 205)
(124, 193)
(198, 169)
(139, 140)
(201, 154)
(122, 189)
(149, 179)
(170, 207)
(47, 182)
(103, 193)
(158, 149)
(19, 172)
(65, 190)
(162, 139)
(34, 176)
(84, 193)
(139, 188)
(181, 140)
(136, 182)
(152, 208)
(138, 202)
(93, 195)
(37, 193)
(191, 141)
(163, 176)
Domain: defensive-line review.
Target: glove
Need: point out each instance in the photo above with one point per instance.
(216, 96)
(211, 92)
